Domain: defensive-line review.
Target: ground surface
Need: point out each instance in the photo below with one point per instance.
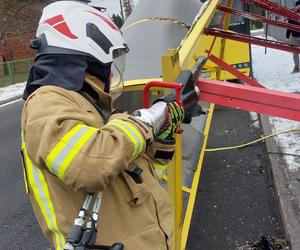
(19, 228)
(235, 200)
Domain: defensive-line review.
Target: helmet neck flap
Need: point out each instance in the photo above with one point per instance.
(63, 71)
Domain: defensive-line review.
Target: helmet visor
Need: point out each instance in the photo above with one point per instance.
(117, 72)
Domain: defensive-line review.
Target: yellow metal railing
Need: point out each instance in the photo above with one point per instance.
(173, 63)
(181, 58)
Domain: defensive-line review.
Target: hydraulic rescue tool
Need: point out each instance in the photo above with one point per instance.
(186, 94)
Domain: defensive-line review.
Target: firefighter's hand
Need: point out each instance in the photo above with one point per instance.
(175, 118)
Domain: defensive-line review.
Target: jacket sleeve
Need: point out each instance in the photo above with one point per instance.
(59, 136)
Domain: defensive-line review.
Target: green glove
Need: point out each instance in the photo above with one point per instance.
(175, 118)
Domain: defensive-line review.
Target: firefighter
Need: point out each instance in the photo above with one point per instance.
(73, 142)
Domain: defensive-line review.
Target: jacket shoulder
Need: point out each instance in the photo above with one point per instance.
(53, 91)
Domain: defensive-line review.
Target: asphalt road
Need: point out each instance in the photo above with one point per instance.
(18, 226)
(235, 202)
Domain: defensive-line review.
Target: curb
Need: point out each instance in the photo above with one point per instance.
(286, 197)
(10, 99)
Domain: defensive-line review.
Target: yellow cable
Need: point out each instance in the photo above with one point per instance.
(151, 19)
(252, 142)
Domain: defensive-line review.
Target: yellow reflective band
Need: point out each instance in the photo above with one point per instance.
(40, 190)
(66, 150)
(132, 133)
(58, 148)
(160, 170)
(22, 140)
(75, 151)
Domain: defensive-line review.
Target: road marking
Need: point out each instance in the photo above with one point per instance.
(9, 102)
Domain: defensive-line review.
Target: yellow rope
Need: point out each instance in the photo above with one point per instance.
(252, 142)
(150, 19)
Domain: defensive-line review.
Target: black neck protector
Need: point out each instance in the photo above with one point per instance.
(65, 71)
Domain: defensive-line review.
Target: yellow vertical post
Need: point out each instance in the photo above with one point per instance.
(170, 72)
(170, 65)
(223, 40)
(183, 57)
(175, 192)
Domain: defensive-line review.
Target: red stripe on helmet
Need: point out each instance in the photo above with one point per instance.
(54, 20)
(105, 19)
(64, 29)
(58, 22)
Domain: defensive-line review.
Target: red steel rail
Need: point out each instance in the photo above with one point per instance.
(234, 71)
(256, 17)
(249, 98)
(260, 100)
(276, 8)
(253, 40)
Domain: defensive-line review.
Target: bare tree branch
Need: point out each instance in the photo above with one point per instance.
(18, 17)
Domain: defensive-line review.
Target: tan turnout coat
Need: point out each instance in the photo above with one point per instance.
(136, 214)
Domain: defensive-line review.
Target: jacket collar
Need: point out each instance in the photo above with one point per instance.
(97, 85)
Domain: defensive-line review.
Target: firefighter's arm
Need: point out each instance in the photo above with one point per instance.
(59, 135)
(161, 151)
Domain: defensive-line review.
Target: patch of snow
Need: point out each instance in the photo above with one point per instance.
(12, 91)
(288, 142)
(273, 70)
(254, 118)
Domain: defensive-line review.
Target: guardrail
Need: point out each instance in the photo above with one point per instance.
(12, 72)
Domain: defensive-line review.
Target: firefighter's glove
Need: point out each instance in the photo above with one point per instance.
(175, 118)
(164, 116)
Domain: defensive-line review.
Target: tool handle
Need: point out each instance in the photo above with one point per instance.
(168, 85)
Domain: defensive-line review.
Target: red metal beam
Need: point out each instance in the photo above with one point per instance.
(276, 8)
(234, 71)
(252, 40)
(265, 101)
(256, 17)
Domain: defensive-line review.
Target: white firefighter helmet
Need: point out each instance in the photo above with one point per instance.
(69, 27)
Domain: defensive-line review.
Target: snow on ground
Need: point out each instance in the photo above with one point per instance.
(11, 91)
(255, 119)
(273, 70)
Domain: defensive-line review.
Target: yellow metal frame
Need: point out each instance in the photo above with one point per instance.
(196, 178)
(175, 190)
(176, 60)
(173, 63)
(185, 55)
